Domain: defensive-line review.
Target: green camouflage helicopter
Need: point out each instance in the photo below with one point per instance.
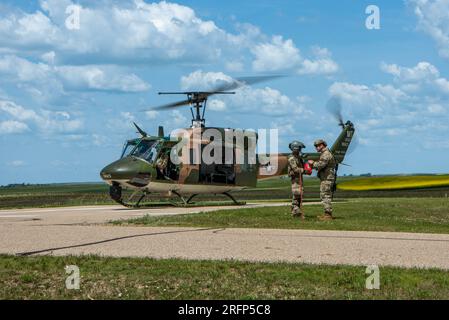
(139, 170)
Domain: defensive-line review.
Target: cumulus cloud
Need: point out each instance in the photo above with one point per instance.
(100, 78)
(420, 78)
(279, 54)
(433, 19)
(422, 71)
(60, 78)
(133, 32)
(199, 80)
(45, 122)
(112, 31)
(13, 127)
(321, 64)
(395, 110)
(266, 101)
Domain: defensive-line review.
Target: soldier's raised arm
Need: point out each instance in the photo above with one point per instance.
(322, 163)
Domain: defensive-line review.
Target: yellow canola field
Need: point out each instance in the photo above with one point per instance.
(395, 182)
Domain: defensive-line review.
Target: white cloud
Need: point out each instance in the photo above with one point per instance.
(177, 120)
(422, 71)
(275, 55)
(216, 105)
(151, 114)
(323, 63)
(58, 79)
(100, 78)
(12, 127)
(267, 101)
(16, 163)
(424, 77)
(433, 19)
(199, 80)
(234, 66)
(402, 112)
(113, 31)
(443, 85)
(279, 55)
(124, 122)
(134, 32)
(46, 122)
(436, 109)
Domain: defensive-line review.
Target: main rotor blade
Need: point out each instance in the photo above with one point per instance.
(171, 105)
(220, 89)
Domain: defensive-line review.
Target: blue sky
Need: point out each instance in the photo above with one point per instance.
(68, 97)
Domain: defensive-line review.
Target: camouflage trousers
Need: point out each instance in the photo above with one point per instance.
(326, 195)
(297, 192)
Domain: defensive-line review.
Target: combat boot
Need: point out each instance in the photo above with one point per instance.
(326, 217)
(298, 215)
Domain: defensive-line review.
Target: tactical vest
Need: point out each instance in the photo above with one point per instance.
(299, 164)
(328, 172)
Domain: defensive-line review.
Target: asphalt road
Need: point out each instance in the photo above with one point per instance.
(83, 230)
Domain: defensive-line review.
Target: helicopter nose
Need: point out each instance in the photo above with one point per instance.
(124, 169)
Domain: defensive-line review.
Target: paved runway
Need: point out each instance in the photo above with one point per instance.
(82, 230)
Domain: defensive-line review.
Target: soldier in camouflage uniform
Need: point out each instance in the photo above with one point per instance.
(295, 172)
(326, 167)
(161, 165)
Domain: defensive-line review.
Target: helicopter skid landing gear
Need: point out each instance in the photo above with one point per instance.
(184, 202)
(191, 197)
(115, 191)
(233, 199)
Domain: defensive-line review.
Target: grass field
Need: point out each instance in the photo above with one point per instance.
(385, 214)
(395, 182)
(44, 277)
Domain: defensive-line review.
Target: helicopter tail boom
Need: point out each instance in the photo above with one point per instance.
(341, 145)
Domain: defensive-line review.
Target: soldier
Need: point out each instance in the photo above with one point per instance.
(295, 172)
(161, 164)
(325, 166)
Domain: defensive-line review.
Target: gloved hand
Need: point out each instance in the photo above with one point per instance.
(307, 169)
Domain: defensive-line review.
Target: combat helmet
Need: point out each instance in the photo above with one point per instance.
(296, 145)
(319, 141)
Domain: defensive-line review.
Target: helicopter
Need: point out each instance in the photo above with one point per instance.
(139, 170)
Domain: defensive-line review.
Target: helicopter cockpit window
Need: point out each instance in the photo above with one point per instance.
(128, 148)
(146, 150)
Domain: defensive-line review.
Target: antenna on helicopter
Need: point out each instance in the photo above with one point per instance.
(198, 99)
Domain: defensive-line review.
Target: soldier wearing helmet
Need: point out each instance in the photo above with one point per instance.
(326, 167)
(295, 172)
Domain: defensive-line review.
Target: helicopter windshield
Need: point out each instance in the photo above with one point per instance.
(145, 150)
(128, 147)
